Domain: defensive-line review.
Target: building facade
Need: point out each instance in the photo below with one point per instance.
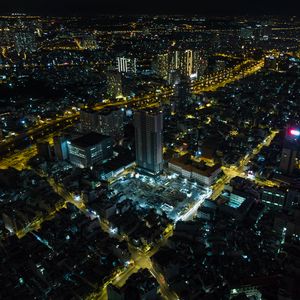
(111, 122)
(126, 65)
(88, 120)
(149, 140)
(90, 149)
(61, 148)
(290, 150)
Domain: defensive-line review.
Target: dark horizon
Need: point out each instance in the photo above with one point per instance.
(94, 7)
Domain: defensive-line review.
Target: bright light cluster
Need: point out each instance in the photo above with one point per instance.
(295, 132)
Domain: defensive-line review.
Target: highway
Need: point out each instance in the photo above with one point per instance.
(210, 82)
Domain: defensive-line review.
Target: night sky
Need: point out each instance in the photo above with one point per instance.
(231, 7)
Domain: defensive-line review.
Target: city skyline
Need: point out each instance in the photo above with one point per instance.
(152, 157)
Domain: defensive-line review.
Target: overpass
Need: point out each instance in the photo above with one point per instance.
(210, 82)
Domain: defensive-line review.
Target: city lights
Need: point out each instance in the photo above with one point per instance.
(149, 156)
(295, 132)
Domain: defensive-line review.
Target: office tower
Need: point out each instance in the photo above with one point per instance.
(114, 84)
(148, 140)
(182, 93)
(290, 150)
(60, 148)
(90, 149)
(126, 65)
(88, 120)
(111, 123)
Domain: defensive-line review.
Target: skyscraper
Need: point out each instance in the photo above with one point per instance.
(161, 65)
(60, 148)
(290, 150)
(182, 93)
(188, 61)
(126, 65)
(148, 140)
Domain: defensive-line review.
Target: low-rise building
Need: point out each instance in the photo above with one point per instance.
(90, 149)
(193, 170)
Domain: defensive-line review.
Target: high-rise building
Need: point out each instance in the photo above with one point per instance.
(60, 148)
(44, 150)
(126, 65)
(182, 93)
(90, 149)
(161, 65)
(88, 120)
(111, 122)
(188, 61)
(290, 150)
(148, 140)
(114, 84)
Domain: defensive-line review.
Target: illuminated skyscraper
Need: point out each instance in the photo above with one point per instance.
(188, 61)
(161, 65)
(148, 140)
(290, 150)
(126, 65)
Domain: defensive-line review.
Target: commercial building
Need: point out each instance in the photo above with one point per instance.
(88, 120)
(107, 122)
(182, 95)
(148, 139)
(290, 150)
(90, 149)
(188, 168)
(111, 122)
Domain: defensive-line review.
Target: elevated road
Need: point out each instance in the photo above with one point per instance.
(207, 83)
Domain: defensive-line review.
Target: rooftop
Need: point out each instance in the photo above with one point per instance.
(188, 164)
(89, 139)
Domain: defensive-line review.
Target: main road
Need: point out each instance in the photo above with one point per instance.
(239, 170)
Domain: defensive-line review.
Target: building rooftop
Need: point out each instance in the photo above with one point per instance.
(188, 164)
(90, 139)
